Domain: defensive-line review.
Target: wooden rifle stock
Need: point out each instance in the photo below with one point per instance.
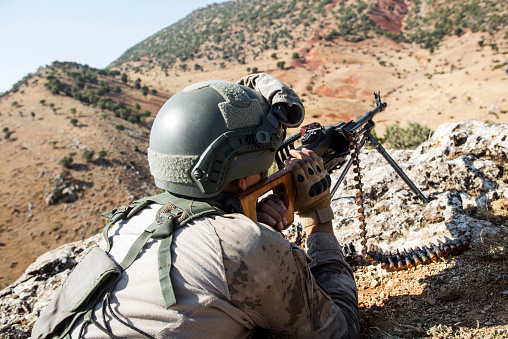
(281, 183)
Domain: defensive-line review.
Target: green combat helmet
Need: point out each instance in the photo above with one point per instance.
(211, 133)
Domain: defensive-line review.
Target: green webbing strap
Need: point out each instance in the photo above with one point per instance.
(164, 269)
(138, 245)
(166, 223)
(193, 210)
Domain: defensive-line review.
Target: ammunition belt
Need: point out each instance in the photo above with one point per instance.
(406, 258)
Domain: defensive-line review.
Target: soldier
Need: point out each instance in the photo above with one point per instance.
(185, 263)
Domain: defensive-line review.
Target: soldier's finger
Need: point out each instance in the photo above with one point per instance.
(273, 210)
(293, 164)
(298, 154)
(266, 219)
(310, 153)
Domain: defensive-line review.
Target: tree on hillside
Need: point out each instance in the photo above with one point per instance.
(144, 90)
(137, 83)
(124, 78)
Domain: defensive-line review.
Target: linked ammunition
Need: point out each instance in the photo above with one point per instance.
(377, 256)
(415, 257)
(422, 256)
(384, 261)
(452, 246)
(444, 247)
(370, 254)
(436, 250)
(352, 248)
(430, 254)
(391, 261)
(400, 261)
(409, 262)
(458, 244)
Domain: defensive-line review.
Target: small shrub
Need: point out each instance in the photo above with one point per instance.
(73, 110)
(66, 161)
(119, 127)
(101, 154)
(87, 154)
(74, 122)
(409, 138)
(64, 174)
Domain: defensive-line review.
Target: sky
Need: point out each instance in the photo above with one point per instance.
(35, 33)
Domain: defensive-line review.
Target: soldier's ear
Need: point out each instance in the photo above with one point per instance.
(242, 183)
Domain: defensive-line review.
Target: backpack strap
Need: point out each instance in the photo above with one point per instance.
(175, 213)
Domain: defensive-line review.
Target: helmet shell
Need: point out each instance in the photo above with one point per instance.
(204, 137)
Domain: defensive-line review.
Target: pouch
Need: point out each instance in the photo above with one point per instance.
(87, 283)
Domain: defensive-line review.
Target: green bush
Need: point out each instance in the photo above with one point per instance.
(74, 121)
(66, 161)
(65, 174)
(119, 127)
(87, 154)
(101, 154)
(405, 138)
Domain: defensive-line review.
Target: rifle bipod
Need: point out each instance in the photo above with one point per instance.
(397, 260)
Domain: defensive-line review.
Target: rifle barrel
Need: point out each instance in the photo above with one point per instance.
(367, 117)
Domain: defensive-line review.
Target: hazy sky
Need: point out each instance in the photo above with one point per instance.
(35, 33)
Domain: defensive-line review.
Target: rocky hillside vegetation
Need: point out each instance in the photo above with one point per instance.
(75, 138)
(462, 170)
(74, 145)
(240, 30)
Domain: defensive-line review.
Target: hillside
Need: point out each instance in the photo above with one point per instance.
(429, 69)
(461, 295)
(431, 62)
(47, 203)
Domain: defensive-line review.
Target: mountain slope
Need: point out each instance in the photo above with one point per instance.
(46, 204)
(461, 77)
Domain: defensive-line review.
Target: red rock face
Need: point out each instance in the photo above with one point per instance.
(389, 14)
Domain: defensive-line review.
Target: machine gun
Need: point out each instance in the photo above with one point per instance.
(338, 145)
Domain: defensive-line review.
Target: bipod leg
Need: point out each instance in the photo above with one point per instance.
(396, 167)
(341, 178)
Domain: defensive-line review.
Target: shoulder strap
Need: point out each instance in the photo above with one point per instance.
(175, 213)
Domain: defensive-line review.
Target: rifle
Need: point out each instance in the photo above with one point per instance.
(334, 144)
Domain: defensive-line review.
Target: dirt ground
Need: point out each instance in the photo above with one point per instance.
(460, 296)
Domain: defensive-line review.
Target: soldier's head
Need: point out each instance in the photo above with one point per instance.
(208, 135)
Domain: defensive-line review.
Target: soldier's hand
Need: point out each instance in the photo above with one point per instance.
(312, 182)
(272, 211)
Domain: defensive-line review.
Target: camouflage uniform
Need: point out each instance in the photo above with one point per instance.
(231, 275)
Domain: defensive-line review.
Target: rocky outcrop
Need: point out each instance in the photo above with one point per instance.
(22, 302)
(389, 14)
(462, 170)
